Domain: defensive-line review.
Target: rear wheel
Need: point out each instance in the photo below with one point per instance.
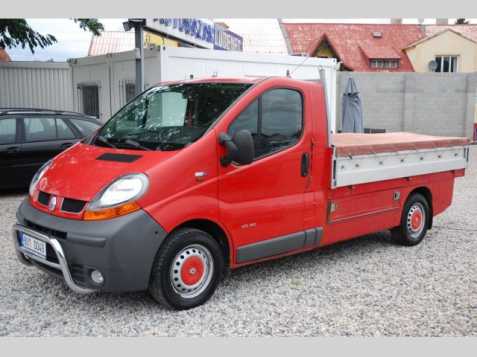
(187, 269)
(414, 221)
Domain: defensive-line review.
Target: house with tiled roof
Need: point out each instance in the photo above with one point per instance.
(392, 47)
(359, 47)
(445, 49)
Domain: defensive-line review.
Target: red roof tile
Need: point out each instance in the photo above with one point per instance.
(469, 31)
(111, 42)
(4, 57)
(351, 42)
(380, 52)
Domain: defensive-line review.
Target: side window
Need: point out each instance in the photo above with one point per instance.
(8, 131)
(281, 118)
(86, 127)
(248, 119)
(39, 129)
(64, 132)
(275, 120)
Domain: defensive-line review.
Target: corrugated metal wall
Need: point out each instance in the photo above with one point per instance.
(36, 84)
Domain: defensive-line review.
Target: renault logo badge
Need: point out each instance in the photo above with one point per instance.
(52, 203)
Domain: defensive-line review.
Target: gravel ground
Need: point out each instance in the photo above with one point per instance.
(365, 287)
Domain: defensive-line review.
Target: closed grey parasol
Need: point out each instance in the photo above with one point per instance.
(352, 113)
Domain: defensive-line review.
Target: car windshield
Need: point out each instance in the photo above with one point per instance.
(168, 117)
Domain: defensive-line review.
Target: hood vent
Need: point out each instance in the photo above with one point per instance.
(118, 157)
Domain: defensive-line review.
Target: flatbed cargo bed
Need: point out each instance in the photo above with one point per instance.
(362, 158)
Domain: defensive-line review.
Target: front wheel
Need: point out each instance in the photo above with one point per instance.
(187, 269)
(414, 221)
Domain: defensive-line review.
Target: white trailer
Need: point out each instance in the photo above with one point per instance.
(109, 79)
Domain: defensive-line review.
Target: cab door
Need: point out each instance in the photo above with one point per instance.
(262, 203)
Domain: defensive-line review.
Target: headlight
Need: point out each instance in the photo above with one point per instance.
(37, 177)
(118, 198)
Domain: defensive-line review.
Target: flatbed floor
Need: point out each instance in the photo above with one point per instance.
(364, 158)
(354, 144)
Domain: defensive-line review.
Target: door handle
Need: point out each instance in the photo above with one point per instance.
(13, 149)
(65, 145)
(305, 164)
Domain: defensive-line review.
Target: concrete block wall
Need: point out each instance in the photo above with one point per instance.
(428, 103)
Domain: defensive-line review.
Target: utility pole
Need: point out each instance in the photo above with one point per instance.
(138, 25)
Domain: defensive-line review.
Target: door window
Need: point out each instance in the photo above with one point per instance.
(281, 120)
(8, 131)
(64, 131)
(248, 120)
(39, 129)
(275, 120)
(86, 127)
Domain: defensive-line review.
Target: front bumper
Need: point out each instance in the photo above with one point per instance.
(122, 249)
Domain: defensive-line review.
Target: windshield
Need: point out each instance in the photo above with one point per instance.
(168, 117)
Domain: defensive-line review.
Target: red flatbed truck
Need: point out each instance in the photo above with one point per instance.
(193, 178)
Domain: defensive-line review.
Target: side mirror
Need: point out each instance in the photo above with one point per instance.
(240, 148)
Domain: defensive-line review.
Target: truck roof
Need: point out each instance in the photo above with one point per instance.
(250, 80)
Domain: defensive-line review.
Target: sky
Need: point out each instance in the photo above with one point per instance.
(74, 42)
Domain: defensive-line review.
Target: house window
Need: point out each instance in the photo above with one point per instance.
(446, 64)
(91, 100)
(130, 91)
(379, 63)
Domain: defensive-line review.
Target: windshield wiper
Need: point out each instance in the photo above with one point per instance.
(105, 141)
(129, 144)
(171, 146)
(136, 144)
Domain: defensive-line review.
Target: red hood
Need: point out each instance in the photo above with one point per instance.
(78, 174)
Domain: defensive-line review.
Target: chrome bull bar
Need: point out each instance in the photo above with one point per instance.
(24, 256)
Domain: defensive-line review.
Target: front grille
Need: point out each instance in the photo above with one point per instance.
(48, 231)
(43, 198)
(71, 205)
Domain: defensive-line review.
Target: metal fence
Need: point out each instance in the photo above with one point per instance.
(37, 85)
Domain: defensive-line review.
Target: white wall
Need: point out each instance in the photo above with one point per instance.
(111, 73)
(180, 63)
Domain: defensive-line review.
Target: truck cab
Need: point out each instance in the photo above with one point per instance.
(193, 178)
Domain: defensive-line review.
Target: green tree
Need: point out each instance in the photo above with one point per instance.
(17, 32)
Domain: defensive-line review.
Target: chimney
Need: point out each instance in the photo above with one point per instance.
(442, 21)
(396, 21)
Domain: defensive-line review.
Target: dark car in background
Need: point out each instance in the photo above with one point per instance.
(31, 137)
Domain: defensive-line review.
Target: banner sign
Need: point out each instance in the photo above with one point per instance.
(200, 32)
(227, 40)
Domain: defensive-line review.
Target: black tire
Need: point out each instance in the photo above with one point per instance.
(412, 229)
(193, 252)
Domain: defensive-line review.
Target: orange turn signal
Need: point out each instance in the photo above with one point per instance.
(109, 213)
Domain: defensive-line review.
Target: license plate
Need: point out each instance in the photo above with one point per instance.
(33, 245)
